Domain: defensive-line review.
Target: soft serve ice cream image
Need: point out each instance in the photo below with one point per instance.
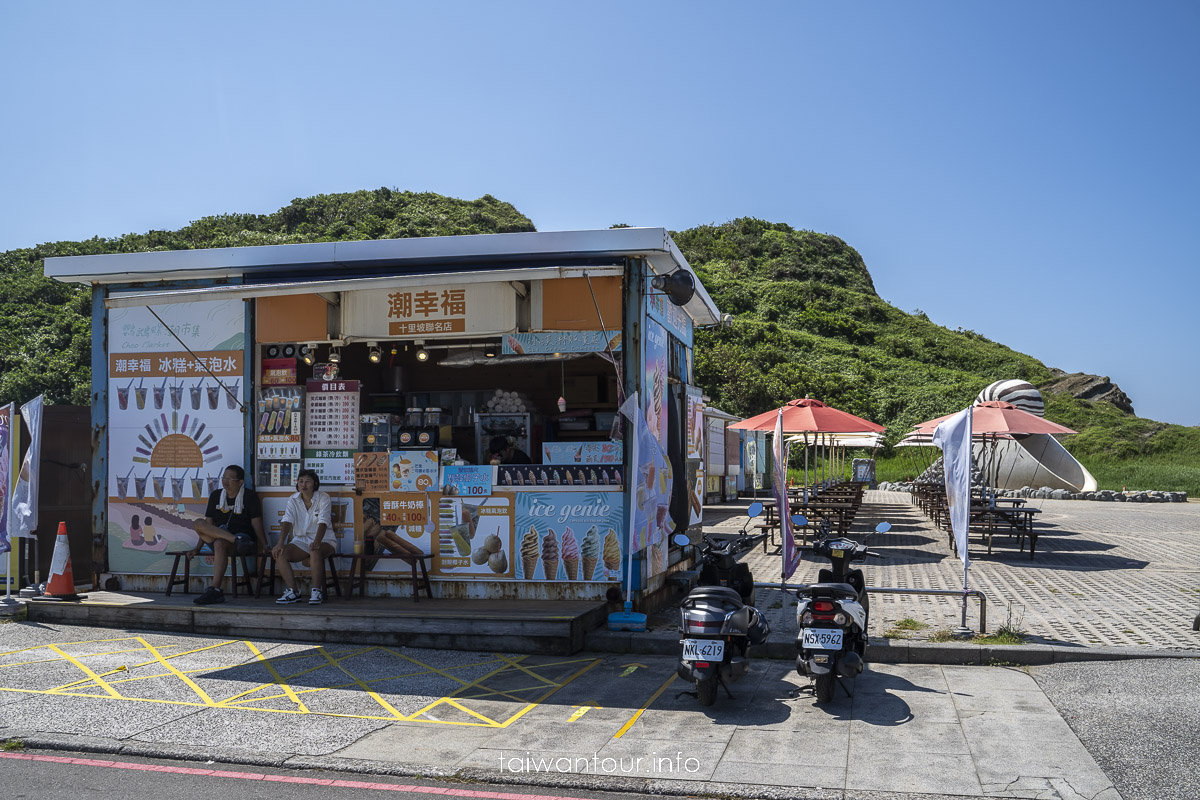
(550, 556)
(570, 554)
(612, 553)
(530, 550)
(591, 552)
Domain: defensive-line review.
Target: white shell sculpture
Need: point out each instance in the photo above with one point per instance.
(1021, 394)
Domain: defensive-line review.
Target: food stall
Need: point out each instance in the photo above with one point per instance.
(389, 367)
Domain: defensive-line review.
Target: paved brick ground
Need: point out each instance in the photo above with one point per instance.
(1105, 574)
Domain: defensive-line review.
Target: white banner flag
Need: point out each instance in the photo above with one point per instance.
(8, 416)
(779, 451)
(954, 437)
(23, 516)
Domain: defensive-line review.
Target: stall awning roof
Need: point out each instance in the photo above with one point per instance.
(434, 255)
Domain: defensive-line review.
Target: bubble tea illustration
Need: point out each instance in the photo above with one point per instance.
(214, 395)
(123, 396)
(123, 484)
(231, 400)
(160, 394)
(140, 485)
(139, 395)
(177, 397)
(194, 393)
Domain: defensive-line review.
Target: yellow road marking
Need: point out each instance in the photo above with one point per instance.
(87, 671)
(378, 698)
(195, 687)
(287, 690)
(537, 702)
(653, 697)
(583, 709)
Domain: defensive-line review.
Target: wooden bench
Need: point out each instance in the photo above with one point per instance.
(183, 555)
(359, 565)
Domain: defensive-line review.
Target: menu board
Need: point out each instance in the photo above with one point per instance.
(475, 537)
(332, 415)
(582, 453)
(371, 472)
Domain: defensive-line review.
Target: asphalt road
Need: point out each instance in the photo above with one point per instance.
(1139, 720)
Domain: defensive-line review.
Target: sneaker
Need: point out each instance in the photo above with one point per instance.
(211, 595)
(289, 596)
(316, 598)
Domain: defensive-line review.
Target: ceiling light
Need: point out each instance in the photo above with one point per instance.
(335, 355)
(422, 354)
(376, 355)
(308, 353)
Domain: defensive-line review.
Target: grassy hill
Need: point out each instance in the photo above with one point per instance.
(807, 321)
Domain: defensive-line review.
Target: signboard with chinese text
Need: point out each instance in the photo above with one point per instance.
(430, 311)
(371, 471)
(331, 466)
(413, 470)
(561, 342)
(331, 413)
(467, 481)
(175, 420)
(278, 371)
(475, 537)
(670, 316)
(410, 516)
(582, 452)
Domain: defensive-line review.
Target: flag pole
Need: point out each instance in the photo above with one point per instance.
(970, 472)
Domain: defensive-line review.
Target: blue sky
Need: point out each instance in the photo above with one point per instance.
(1025, 170)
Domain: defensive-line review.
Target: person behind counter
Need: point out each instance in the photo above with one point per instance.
(232, 525)
(503, 452)
(305, 521)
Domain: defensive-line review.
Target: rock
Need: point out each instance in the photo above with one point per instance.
(1091, 387)
(1119, 498)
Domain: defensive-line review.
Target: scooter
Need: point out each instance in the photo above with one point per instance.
(718, 619)
(832, 615)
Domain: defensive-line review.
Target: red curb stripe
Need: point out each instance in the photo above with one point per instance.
(259, 776)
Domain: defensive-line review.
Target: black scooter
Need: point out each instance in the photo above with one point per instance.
(718, 618)
(832, 615)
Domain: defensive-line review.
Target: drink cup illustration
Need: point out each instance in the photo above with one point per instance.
(139, 396)
(122, 486)
(214, 394)
(160, 394)
(197, 487)
(231, 395)
(123, 397)
(214, 483)
(176, 487)
(160, 486)
(140, 485)
(194, 391)
(176, 397)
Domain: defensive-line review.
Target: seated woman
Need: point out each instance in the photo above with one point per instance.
(302, 536)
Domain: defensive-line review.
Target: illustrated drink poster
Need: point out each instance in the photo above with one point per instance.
(413, 470)
(175, 421)
(570, 536)
(475, 537)
(656, 379)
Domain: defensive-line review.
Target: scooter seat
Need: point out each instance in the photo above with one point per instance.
(718, 594)
(832, 589)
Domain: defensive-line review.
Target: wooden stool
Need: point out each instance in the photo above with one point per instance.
(182, 555)
(267, 577)
(359, 561)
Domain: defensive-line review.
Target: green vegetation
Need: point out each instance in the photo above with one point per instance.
(807, 321)
(10, 745)
(45, 326)
(903, 629)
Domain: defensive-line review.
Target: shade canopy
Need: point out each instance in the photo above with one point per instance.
(809, 416)
(998, 417)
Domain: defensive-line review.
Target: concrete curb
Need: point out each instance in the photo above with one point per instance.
(418, 773)
(895, 651)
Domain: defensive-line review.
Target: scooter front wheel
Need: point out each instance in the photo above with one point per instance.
(706, 690)
(824, 687)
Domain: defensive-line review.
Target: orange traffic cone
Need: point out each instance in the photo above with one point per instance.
(62, 580)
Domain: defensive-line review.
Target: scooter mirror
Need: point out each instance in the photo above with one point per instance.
(799, 520)
(681, 539)
(883, 527)
(755, 509)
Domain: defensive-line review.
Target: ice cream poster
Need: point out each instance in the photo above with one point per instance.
(396, 521)
(413, 470)
(570, 536)
(475, 537)
(656, 379)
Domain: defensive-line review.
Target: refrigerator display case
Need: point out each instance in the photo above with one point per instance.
(517, 427)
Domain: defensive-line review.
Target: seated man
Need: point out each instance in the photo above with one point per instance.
(232, 525)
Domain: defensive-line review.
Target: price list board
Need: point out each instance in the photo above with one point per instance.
(332, 415)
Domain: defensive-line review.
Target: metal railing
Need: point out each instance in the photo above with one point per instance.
(799, 587)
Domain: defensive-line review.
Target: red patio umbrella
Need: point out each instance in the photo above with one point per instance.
(997, 417)
(809, 416)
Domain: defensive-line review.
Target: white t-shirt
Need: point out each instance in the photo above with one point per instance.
(305, 521)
